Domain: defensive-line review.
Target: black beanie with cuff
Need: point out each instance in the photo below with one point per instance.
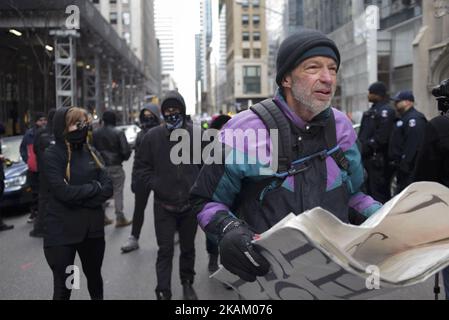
(300, 46)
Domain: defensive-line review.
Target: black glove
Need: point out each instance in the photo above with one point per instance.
(239, 255)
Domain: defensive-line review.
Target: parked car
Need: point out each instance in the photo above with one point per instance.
(131, 132)
(17, 190)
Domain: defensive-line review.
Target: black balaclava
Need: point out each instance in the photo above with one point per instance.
(174, 99)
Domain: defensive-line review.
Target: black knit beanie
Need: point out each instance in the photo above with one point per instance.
(378, 88)
(300, 46)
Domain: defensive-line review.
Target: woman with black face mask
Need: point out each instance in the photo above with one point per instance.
(74, 222)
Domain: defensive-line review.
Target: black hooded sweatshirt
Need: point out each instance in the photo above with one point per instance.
(135, 180)
(111, 142)
(74, 211)
(155, 111)
(43, 139)
(171, 183)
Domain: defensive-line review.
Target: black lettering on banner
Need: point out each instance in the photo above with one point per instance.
(282, 285)
(332, 278)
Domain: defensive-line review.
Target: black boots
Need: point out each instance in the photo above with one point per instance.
(188, 291)
(163, 295)
(213, 263)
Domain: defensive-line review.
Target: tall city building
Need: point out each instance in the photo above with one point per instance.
(134, 22)
(375, 38)
(295, 15)
(431, 55)
(144, 42)
(164, 26)
(247, 53)
(222, 85)
(203, 50)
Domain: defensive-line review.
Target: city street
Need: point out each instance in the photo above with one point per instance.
(26, 275)
(132, 276)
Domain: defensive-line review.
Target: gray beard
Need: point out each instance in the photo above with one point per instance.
(307, 101)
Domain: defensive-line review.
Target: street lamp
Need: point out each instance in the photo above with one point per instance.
(15, 32)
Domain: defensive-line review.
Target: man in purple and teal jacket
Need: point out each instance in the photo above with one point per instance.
(246, 194)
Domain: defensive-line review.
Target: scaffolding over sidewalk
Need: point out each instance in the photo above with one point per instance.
(91, 65)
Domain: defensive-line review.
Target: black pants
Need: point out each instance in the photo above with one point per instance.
(141, 200)
(91, 253)
(378, 180)
(211, 247)
(39, 224)
(166, 224)
(33, 181)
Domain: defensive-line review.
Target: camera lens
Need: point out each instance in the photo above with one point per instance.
(442, 90)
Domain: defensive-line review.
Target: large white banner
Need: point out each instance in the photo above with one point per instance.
(316, 256)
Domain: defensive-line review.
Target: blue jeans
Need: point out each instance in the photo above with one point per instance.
(446, 281)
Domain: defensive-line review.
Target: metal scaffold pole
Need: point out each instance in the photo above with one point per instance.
(65, 67)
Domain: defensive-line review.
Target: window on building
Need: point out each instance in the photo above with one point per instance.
(245, 19)
(245, 36)
(126, 18)
(127, 37)
(256, 53)
(246, 53)
(113, 17)
(244, 4)
(256, 36)
(113, 1)
(256, 20)
(251, 79)
(256, 3)
(95, 1)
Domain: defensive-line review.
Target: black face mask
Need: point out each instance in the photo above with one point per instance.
(174, 121)
(149, 122)
(77, 137)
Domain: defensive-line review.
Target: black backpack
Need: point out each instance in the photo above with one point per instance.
(274, 118)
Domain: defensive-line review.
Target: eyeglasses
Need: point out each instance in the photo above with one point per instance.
(81, 124)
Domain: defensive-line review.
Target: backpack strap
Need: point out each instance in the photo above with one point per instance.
(274, 119)
(330, 132)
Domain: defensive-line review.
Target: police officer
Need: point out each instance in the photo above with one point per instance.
(406, 138)
(375, 130)
(433, 157)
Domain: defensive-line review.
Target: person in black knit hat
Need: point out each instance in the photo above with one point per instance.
(235, 200)
(171, 183)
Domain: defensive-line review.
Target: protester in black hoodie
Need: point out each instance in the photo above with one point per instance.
(79, 185)
(171, 185)
(44, 137)
(149, 118)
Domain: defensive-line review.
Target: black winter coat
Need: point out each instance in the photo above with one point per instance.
(171, 183)
(74, 211)
(433, 159)
(135, 179)
(375, 130)
(112, 145)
